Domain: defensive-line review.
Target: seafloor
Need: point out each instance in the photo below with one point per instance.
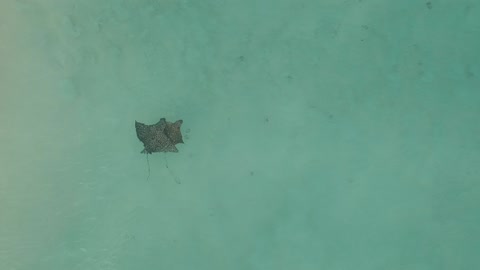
(328, 134)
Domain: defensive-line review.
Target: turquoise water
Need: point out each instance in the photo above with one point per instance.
(325, 134)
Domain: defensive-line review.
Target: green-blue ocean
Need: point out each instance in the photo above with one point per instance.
(318, 135)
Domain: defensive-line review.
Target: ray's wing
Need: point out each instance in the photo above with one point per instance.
(171, 148)
(159, 142)
(142, 131)
(173, 131)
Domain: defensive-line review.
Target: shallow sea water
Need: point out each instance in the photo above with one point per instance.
(318, 134)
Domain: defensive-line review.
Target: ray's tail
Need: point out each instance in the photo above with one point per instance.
(148, 163)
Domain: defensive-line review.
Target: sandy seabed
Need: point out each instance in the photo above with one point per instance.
(319, 134)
